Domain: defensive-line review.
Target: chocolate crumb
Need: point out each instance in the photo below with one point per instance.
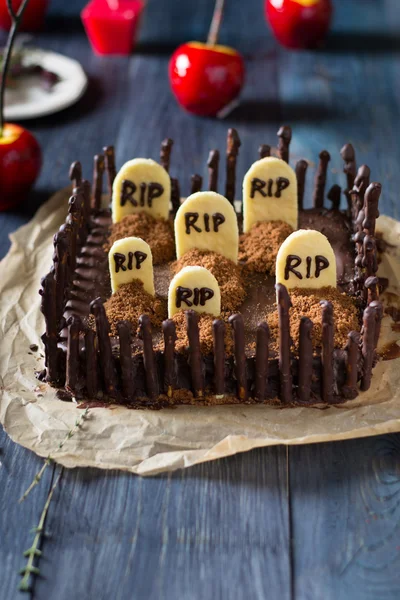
(34, 347)
(259, 247)
(205, 331)
(129, 302)
(158, 233)
(224, 270)
(306, 303)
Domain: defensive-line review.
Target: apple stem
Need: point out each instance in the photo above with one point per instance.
(16, 18)
(213, 33)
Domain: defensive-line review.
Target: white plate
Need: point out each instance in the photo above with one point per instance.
(28, 99)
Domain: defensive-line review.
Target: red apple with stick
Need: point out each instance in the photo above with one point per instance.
(299, 24)
(20, 154)
(206, 77)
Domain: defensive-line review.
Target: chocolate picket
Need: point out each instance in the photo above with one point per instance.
(350, 389)
(237, 324)
(213, 166)
(262, 366)
(195, 356)
(175, 195)
(165, 153)
(264, 151)
(370, 259)
(109, 158)
(232, 151)
(368, 346)
(349, 168)
(98, 172)
(327, 352)
(91, 369)
(74, 324)
(378, 308)
(169, 332)
(320, 179)
(301, 172)
(283, 305)
(285, 137)
(218, 328)
(126, 361)
(371, 202)
(50, 337)
(152, 387)
(335, 195)
(61, 272)
(75, 174)
(372, 286)
(305, 363)
(105, 351)
(196, 181)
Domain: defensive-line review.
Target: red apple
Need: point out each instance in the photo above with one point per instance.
(33, 18)
(205, 78)
(299, 23)
(20, 162)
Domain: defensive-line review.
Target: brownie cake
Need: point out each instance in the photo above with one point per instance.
(259, 301)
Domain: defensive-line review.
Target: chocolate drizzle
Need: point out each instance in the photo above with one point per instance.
(305, 359)
(320, 179)
(327, 352)
(285, 137)
(219, 356)
(195, 357)
(213, 164)
(232, 151)
(301, 171)
(240, 357)
(283, 302)
(262, 366)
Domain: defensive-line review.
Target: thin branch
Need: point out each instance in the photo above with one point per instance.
(34, 552)
(11, 10)
(78, 423)
(215, 26)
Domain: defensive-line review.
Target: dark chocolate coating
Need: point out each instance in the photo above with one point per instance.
(301, 171)
(50, 337)
(109, 159)
(348, 155)
(320, 179)
(264, 151)
(378, 308)
(240, 356)
(105, 352)
(262, 365)
(75, 173)
(371, 202)
(169, 331)
(305, 359)
(152, 387)
(219, 356)
(98, 172)
(285, 137)
(195, 356)
(126, 362)
(283, 305)
(213, 166)
(196, 183)
(368, 346)
(175, 195)
(350, 389)
(372, 283)
(91, 369)
(165, 153)
(232, 151)
(327, 352)
(72, 375)
(334, 195)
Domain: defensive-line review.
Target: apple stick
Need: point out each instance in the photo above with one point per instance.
(16, 18)
(216, 21)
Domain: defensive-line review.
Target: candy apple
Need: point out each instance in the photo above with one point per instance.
(20, 155)
(206, 77)
(299, 23)
(20, 162)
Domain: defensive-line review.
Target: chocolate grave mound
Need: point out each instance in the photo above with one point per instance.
(123, 349)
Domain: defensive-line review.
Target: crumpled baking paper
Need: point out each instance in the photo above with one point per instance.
(148, 442)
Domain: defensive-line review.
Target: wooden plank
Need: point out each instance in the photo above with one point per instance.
(345, 501)
(217, 530)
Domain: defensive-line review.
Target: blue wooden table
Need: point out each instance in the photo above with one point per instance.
(305, 523)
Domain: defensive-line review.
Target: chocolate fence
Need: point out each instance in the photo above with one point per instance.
(128, 369)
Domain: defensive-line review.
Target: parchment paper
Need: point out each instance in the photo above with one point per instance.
(143, 441)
